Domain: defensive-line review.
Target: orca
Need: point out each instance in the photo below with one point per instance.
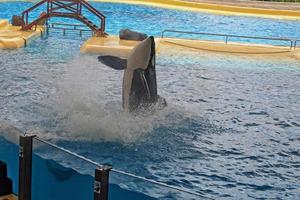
(139, 80)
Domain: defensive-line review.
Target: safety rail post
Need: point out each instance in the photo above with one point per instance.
(295, 44)
(25, 167)
(101, 184)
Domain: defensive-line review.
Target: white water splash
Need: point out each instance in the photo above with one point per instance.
(89, 97)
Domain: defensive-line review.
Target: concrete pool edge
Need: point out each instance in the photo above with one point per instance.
(214, 8)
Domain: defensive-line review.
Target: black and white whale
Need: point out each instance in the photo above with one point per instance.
(139, 81)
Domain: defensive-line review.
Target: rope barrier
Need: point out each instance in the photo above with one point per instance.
(69, 152)
(122, 172)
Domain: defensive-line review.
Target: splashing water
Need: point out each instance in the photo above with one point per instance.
(88, 99)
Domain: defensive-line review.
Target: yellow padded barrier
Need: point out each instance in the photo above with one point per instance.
(12, 38)
(268, 51)
(110, 45)
(232, 47)
(215, 8)
(3, 23)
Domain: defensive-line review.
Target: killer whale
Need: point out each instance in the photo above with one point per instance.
(139, 91)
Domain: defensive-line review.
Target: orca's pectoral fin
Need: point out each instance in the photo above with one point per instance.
(113, 62)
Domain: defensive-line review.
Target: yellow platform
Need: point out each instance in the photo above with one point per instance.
(222, 47)
(110, 45)
(12, 38)
(229, 48)
(9, 197)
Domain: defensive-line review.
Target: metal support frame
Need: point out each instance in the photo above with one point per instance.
(68, 9)
(25, 167)
(69, 27)
(101, 183)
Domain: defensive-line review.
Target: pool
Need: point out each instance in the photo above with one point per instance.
(231, 128)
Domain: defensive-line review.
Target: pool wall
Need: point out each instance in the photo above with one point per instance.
(49, 179)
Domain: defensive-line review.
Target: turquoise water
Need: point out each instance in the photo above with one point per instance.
(231, 128)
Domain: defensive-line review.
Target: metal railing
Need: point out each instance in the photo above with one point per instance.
(68, 27)
(101, 179)
(228, 36)
(68, 9)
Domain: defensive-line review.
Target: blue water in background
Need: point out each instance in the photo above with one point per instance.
(153, 20)
(231, 129)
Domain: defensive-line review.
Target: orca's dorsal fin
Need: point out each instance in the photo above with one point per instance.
(113, 62)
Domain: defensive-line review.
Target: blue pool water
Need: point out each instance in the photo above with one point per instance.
(231, 129)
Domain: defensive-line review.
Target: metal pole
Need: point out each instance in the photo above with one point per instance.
(101, 183)
(47, 27)
(25, 167)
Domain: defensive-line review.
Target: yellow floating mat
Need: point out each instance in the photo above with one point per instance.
(215, 8)
(12, 38)
(3, 23)
(232, 47)
(110, 45)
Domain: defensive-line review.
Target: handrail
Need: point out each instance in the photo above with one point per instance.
(35, 6)
(92, 9)
(66, 24)
(68, 152)
(73, 13)
(68, 27)
(227, 36)
(96, 12)
(74, 27)
(26, 12)
(187, 191)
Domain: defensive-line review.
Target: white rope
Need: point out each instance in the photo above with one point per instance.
(123, 172)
